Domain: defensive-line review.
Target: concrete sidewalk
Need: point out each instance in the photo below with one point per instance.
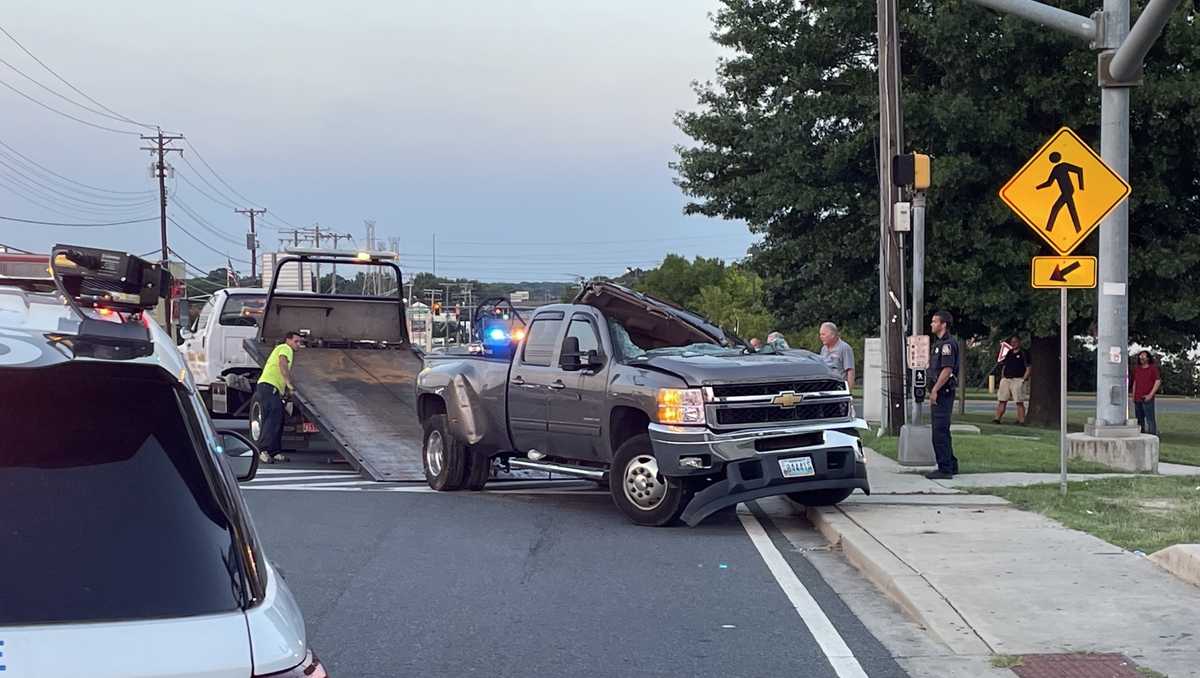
(986, 577)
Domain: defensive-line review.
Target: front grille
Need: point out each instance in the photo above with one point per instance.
(771, 414)
(777, 387)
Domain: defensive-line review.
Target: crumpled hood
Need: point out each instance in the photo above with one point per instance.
(704, 370)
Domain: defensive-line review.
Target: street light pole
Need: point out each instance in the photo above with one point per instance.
(1112, 309)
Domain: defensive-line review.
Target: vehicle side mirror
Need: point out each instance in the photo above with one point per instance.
(185, 333)
(241, 454)
(569, 359)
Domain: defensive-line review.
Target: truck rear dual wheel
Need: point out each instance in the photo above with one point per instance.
(443, 456)
(640, 490)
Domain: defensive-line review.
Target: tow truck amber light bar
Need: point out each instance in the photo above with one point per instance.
(357, 255)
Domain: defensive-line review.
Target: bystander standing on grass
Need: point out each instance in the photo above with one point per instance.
(1144, 387)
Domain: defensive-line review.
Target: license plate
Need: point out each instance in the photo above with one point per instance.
(309, 427)
(796, 468)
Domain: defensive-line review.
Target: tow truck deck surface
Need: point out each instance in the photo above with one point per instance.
(363, 399)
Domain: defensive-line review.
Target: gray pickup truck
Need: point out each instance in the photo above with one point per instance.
(676, 418)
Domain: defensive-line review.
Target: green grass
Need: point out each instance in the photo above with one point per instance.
(1142, 513)
(1007, 661)
(998, 448)
(1008, 447)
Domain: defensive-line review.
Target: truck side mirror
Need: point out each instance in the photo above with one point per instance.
(569, 359)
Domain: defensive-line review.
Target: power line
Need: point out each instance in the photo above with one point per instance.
(502, 243)
(115, 203)
(68, 115)
(65, 98)
(68, 84)
(206, 245)
(59, 223)
(47, 170)
(218, 176)
(201, 191)
(22, 192)
(206, 223)
(221, 179)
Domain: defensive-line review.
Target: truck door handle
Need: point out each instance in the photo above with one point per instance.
(557, 385)
(518, 381)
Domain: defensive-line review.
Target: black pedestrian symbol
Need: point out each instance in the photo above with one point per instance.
(1061, 175)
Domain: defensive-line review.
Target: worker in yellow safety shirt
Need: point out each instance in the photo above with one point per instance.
(273, 384)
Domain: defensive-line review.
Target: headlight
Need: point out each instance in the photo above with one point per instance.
(680, 406)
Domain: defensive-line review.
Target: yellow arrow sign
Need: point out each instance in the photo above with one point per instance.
(1064, 191)
(1063, 272)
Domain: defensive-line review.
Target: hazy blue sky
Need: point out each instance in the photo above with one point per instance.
(482, 122)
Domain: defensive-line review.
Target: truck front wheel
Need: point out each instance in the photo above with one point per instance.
(640, 490)
(443, 456)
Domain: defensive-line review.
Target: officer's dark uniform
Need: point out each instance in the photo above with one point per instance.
(945, 354)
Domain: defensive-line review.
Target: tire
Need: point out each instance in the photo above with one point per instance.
(255, 418)
(443, 456)
(821, 497)
(479, 471)
(640, 491)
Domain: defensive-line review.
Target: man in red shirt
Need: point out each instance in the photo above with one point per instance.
(1145, 384)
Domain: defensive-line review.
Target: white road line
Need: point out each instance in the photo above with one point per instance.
(836, 651)
(285, 471)
(299, 478)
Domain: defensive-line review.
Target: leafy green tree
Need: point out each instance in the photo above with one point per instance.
(679, 281)
(736, 304)
(785, 139)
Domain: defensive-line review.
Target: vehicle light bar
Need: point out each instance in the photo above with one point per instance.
(357, 255)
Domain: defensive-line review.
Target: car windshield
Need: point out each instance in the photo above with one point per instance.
(107, 513)
(693, 350)
(243, 310)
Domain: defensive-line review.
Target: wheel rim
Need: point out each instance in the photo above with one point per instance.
(434, 453)
(644, 487)
(256, 422)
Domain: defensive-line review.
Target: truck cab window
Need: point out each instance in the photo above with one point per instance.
(205, 314)
(243, 310)
(582, 329)
(539, 344)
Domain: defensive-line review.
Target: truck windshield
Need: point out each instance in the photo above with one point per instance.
(630, 350)
(243, 310)
(107, 513)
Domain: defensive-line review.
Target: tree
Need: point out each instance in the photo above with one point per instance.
(679, 281)
(736, 303)
(785, 140)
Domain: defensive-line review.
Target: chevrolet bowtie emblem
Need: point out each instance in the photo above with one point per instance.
(787, 399)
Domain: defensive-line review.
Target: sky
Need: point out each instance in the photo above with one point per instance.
(531, 138)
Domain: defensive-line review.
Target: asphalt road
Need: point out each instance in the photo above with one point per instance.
(396, 580)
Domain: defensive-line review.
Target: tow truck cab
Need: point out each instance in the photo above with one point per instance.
(214, 347)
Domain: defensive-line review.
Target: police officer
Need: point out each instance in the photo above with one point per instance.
(942, 374)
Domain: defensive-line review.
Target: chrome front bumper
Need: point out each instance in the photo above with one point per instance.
(744, 465)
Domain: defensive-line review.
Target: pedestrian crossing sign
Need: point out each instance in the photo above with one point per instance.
(1064, 191)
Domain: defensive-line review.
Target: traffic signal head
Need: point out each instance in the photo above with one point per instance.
(913, 170)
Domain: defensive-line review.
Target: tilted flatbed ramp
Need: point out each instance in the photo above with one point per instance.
(356, 375)
(364, 400)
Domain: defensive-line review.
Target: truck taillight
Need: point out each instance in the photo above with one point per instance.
(311, 667)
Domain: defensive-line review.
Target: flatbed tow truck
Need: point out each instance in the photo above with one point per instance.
(355, 375)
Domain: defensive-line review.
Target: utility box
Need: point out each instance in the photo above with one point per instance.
(873, 380)
(902, 219)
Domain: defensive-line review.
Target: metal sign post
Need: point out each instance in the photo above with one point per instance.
(1064, 161)
(1062, 394)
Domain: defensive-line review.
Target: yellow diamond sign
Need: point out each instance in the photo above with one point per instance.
(1064, 191)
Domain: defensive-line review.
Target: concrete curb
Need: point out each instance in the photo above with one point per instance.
(900, 582)
(1181, 560)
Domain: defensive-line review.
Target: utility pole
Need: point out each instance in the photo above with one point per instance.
(252, 241)
(891, 267)
(337, 237)
(160, 168)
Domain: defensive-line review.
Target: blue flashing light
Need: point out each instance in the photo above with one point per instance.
(497, 334)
